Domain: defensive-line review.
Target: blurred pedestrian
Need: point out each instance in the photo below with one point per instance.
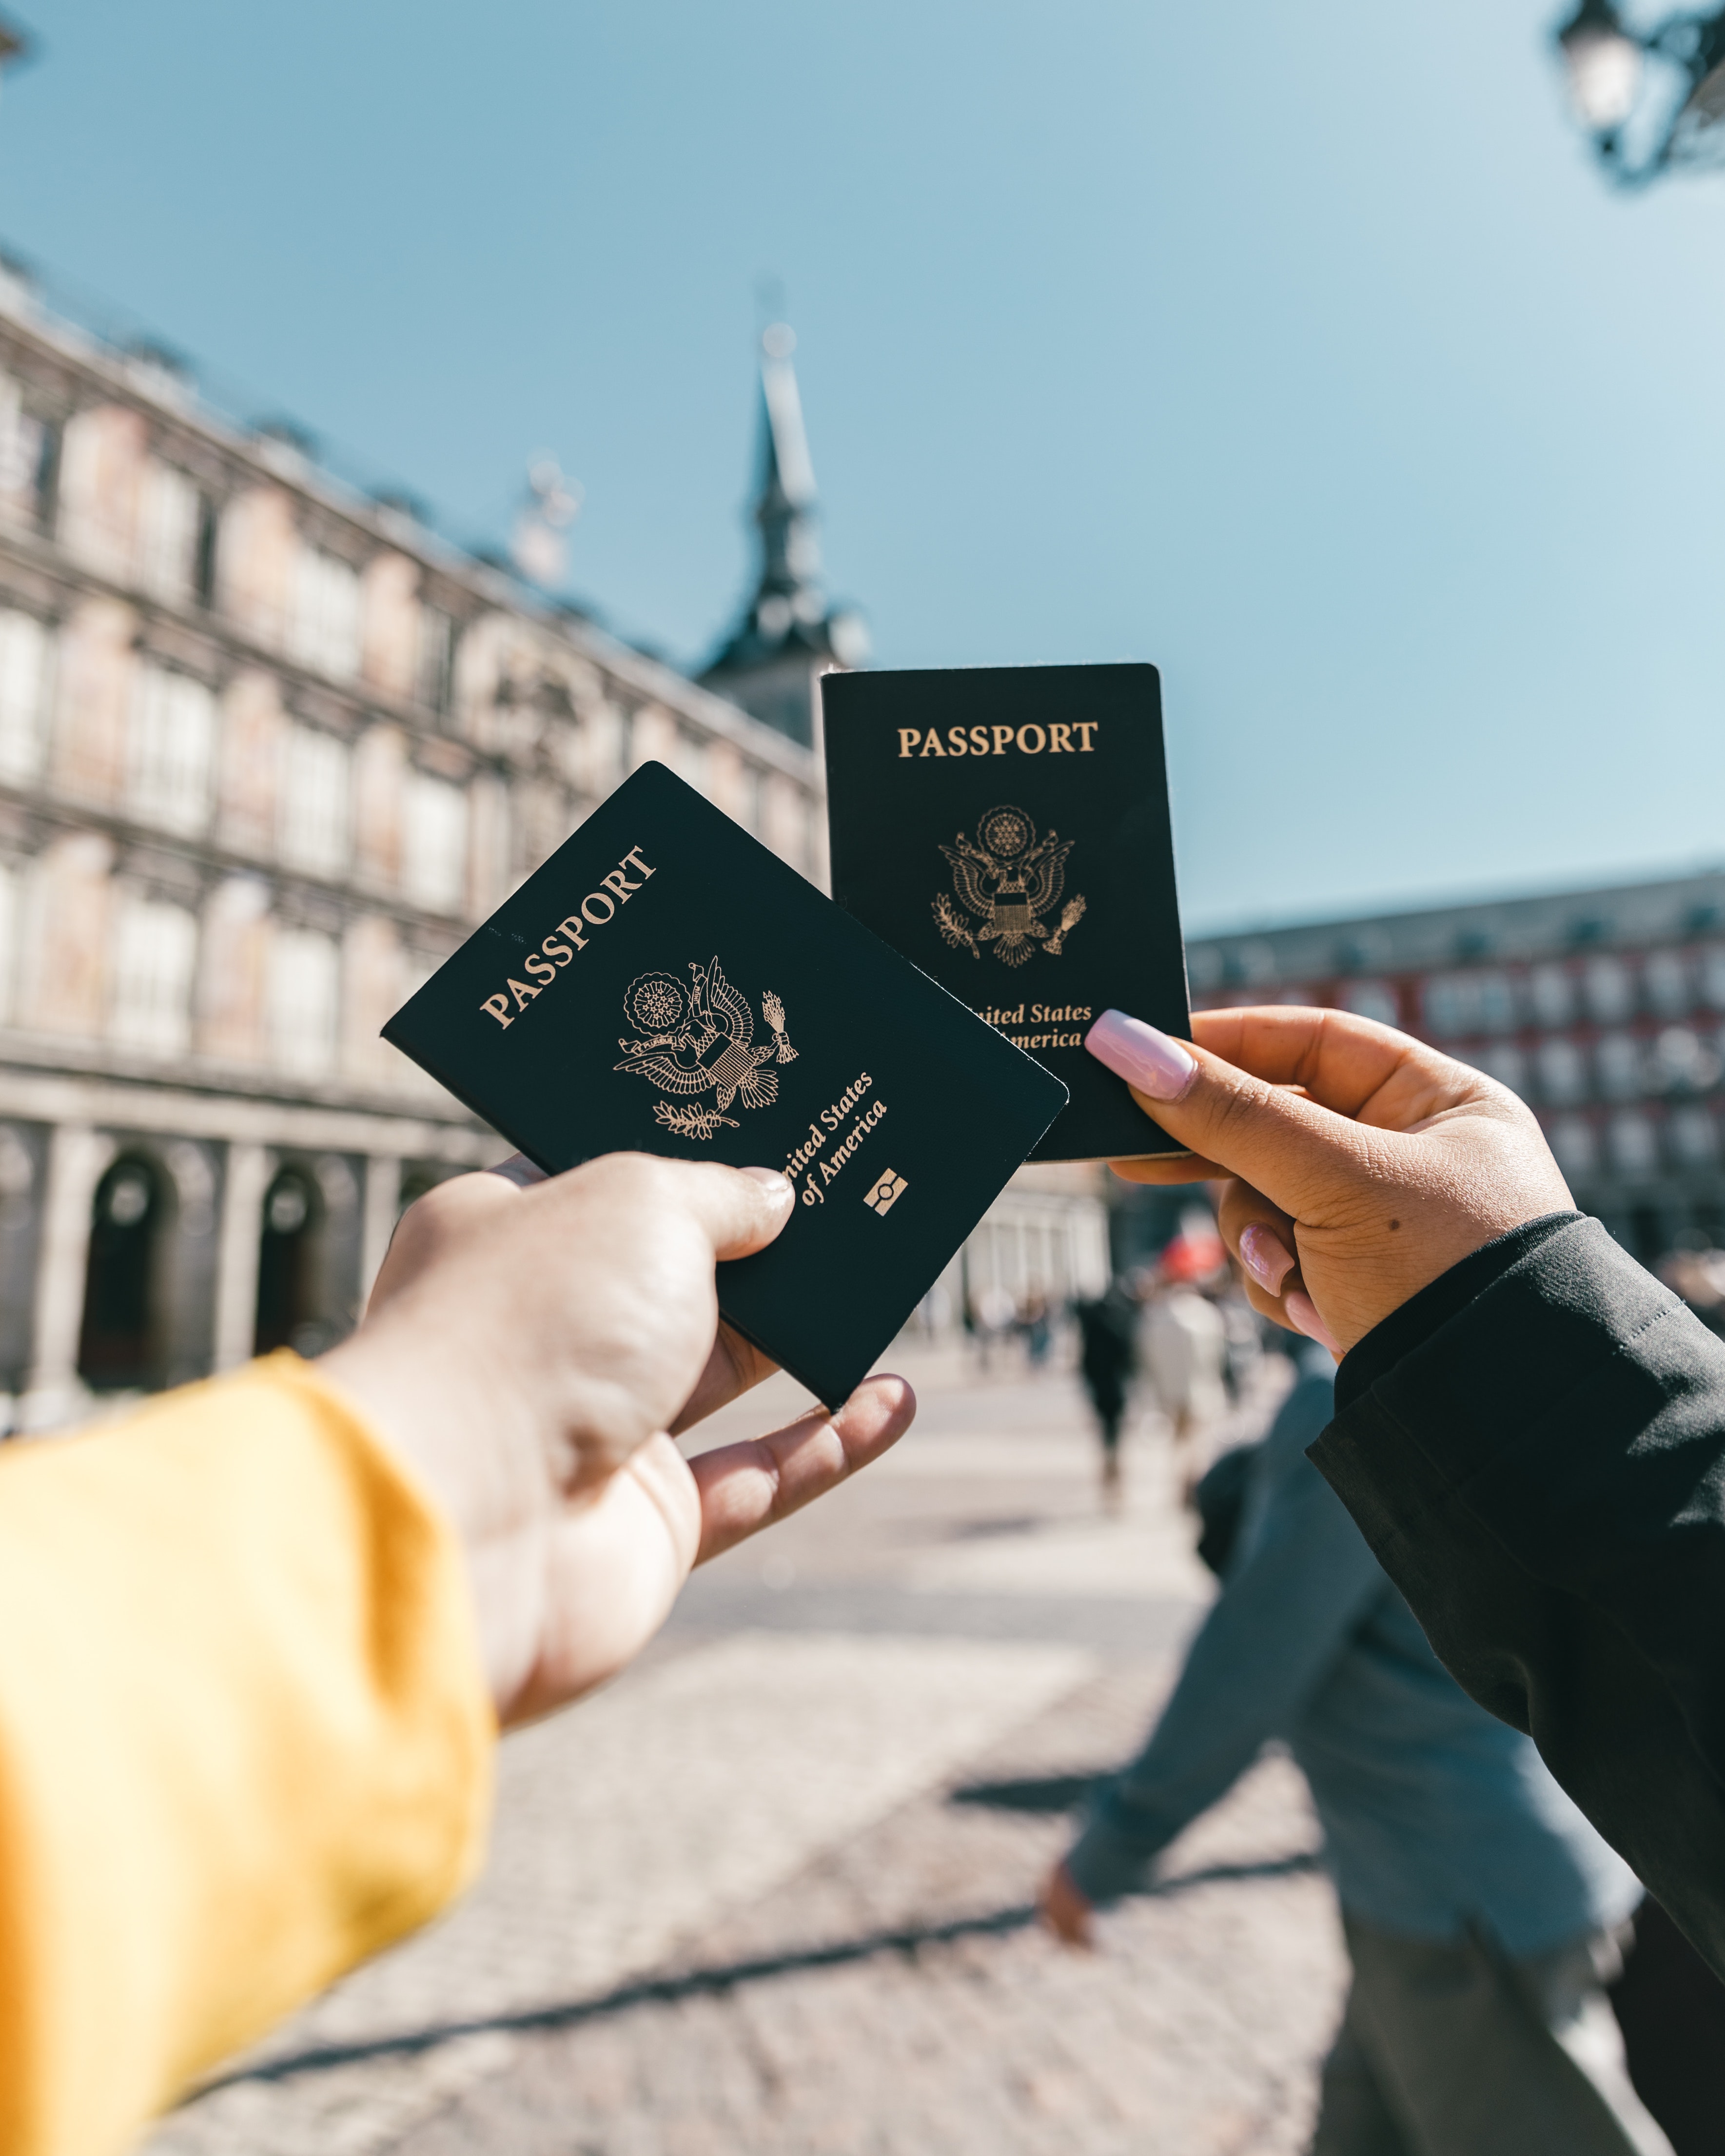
(1185, 1346)
(1699, 1277)
(1242, 1339)
(994, 1320)
(1480, 1908)
(1035, 1327)
(1107, 1356)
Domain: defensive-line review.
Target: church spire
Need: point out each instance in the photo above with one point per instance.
(784, 500)
(789, 635)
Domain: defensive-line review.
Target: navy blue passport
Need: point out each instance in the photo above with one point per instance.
(665, 984)
(1006, 828)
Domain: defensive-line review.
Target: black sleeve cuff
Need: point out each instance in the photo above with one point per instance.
(1446, 1297)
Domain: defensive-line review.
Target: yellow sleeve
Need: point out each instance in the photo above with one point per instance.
(244, 1739)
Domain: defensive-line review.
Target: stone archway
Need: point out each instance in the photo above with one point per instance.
(290, 1265)
(122, 1344)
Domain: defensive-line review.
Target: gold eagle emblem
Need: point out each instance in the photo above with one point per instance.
(1008, 879)
(700, 1038)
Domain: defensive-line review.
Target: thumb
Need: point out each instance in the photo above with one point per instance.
(1297, 1153)
(742, 1209)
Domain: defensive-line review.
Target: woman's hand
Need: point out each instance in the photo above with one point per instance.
(529, 1344)
(1358, 1163)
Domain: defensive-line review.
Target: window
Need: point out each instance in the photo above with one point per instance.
(1573, 1146)
(304, 975)
(155, 945)
(1667, 980)
(203, 558)
(1457, 1003)
(1693, 1138)
(1373, 1000)
(1507, 1064)
(1713, 976)
(1682, 1063)
(326, 625)
(434, 664)
(1632, 1145)
(24, 652)
(434, 843)
(1551, 990)
(172, 751)
(1450, 1006)
(1253, 963)
(1562, 1074)
(1619, 1055)
(313, 802)
(1496, 997)
(168, 518)
(1610, 991)
(28, 448)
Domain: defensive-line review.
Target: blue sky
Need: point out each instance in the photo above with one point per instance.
(1299, 350)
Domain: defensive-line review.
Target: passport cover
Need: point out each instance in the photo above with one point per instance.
(1006, 828)
(665, 984)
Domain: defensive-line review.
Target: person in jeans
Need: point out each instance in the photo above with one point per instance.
(1479, 1906)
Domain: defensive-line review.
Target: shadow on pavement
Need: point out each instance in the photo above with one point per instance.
(1042, 1794)
(668, 1990)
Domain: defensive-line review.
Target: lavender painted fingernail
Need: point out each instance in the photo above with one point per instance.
(1303, 1312)
(1145, 1058)
(1265, 1257)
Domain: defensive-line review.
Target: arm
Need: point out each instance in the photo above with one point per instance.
(1298, 1582)
(1537, 1455)
(256, 1639)
(245, 1738)
(1535, 1448)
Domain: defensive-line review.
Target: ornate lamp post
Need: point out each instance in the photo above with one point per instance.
(1647, 120)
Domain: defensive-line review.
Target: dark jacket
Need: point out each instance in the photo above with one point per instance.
(1534, 1446)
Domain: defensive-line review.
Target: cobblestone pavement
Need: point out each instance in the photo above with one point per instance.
(769, 1894)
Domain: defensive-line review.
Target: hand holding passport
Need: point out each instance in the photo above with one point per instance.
(663, 984)
(524, 1352)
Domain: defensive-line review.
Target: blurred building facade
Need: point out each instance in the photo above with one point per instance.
(1045, 1239)
(268, 751)
(1603, 1009)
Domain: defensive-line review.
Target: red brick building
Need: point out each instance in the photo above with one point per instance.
(1605, 1009)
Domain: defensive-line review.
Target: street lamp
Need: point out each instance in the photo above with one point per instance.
(1643, 121)
(16, 43)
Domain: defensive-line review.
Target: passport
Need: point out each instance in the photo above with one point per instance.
(1006, 829)
(665, 984)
